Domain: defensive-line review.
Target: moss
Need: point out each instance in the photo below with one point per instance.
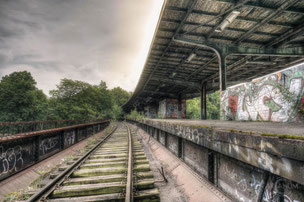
(235, 130)
(286, 136)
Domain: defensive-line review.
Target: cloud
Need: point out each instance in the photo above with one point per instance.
(83, 40)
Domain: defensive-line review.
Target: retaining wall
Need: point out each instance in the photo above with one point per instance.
(20, 151)
(238, 163)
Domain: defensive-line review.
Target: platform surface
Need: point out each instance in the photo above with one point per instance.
(296, 129)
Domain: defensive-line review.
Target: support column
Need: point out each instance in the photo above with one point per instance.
(179, 108)
(203, 102)
(222, 71)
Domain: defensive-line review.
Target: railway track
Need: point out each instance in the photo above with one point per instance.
(116, 169)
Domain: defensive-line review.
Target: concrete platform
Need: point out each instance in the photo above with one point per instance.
(274, 147)
(296, 129)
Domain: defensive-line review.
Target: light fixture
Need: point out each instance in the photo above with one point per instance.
(190, 57)
(227, 21)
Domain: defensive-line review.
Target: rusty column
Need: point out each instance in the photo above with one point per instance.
(179, 108)
(203, 102)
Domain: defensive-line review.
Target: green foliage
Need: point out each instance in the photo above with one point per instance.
(135, 115)
(120, 96)
(193, 108)
(20, 100)
(213, 107)
(80, 100)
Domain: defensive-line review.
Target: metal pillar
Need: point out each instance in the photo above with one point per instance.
(222, 73)
(203, 102)
(179, 106)
(211, 166)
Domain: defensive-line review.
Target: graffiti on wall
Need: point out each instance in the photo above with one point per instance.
(10, 159)
(278, 97)
(168, 108)
(247, 185)
(151, 112)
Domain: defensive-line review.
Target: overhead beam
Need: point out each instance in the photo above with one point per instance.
(226, 38)
(227, 28)
(279, 10)
(261, 5)
(189, 10)
(178, 82)
(243, 50)
(199, 12)
(160, 93)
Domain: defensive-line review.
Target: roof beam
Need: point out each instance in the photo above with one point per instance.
(279, 10)
(178, 82)
(238, 18)
(160, 93)
(232, 39)
(226, 50)
(261, 5)
(189, 10)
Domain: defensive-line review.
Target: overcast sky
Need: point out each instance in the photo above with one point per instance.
(88, 40)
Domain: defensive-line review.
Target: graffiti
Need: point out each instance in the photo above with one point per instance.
(10, 160)
(277, 97)
(69, 138)
(172, 110)
(168, 108)
(48, 144)
(189, 133)
(162, 109)
(249, 183)
(242, 182)
(151, 112)
(278, 188)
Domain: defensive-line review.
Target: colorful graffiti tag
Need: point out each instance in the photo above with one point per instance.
(278, 97)
(168, 108)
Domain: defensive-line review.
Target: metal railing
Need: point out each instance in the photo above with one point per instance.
(12, 128)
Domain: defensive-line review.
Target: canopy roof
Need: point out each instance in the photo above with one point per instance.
(271, 28)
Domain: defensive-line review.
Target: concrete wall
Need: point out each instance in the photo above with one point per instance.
(196, 157)
(264, 99)
(168, 108)
(237, 162)
(172, 143)
(21, 151)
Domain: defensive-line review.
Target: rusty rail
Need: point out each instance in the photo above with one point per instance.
(129, 188)
(47, 190)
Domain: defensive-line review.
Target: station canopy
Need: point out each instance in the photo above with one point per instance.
(255, 38)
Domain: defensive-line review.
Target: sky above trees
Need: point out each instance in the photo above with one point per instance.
(82, 40)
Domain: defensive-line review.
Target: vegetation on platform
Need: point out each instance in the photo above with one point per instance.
(135, 115)
(21, 100)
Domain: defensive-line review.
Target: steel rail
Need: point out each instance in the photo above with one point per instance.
(52, 185)
(129, 187)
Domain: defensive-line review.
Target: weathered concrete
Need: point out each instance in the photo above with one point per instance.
(26, 177)
(183, 184)
(236, 160)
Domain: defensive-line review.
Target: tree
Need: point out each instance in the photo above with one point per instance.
(80, 100)
(213, 106)
(193, 108)
(20, 100)
(120, 96)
